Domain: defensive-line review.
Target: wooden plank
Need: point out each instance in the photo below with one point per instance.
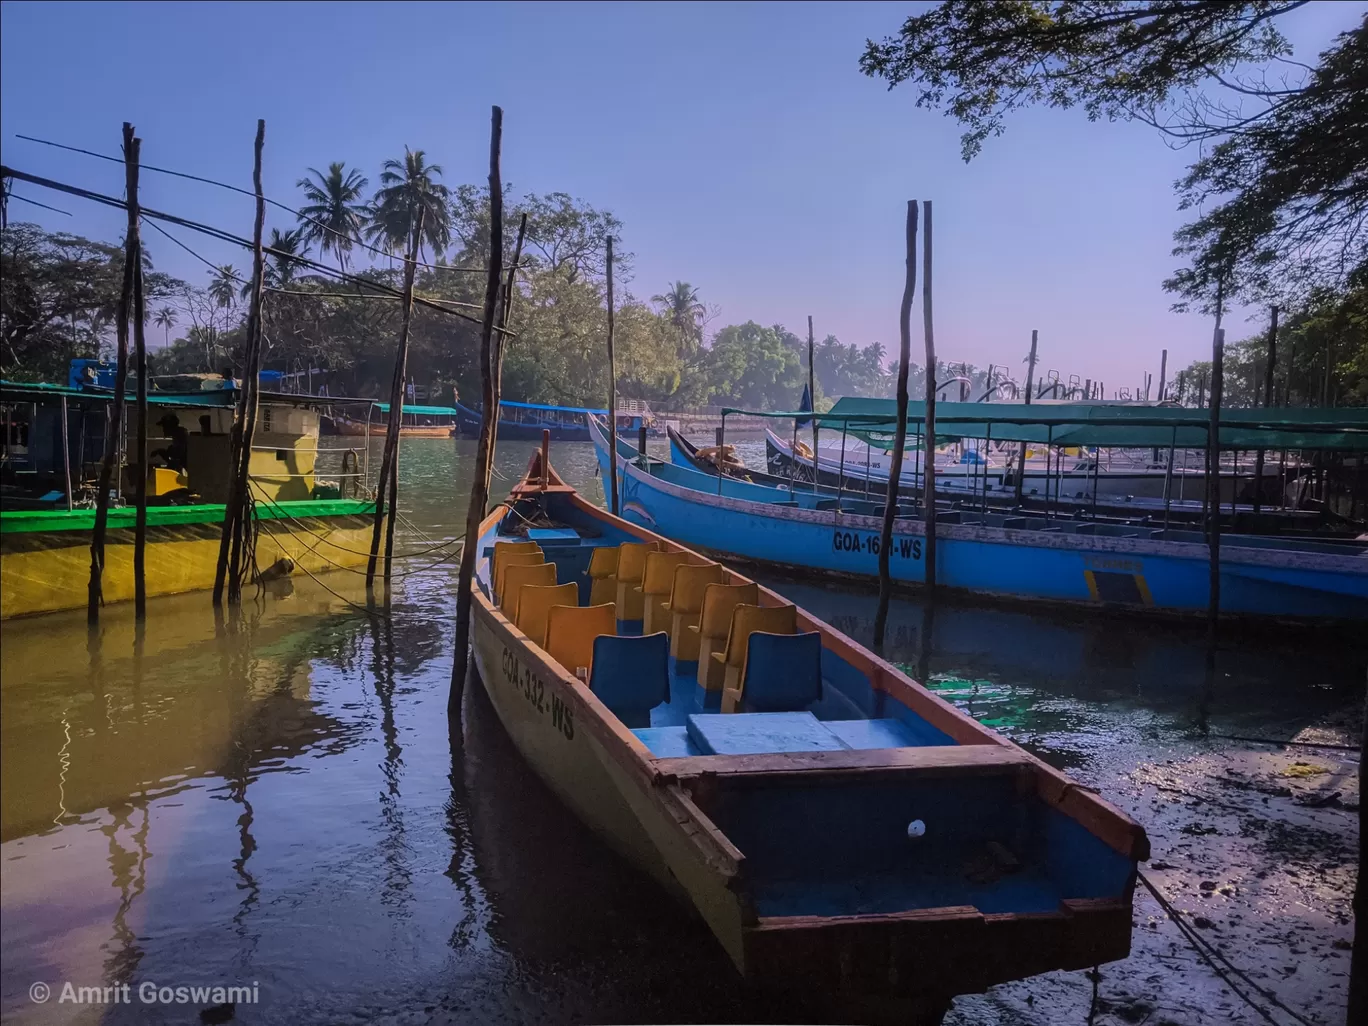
(943, 760)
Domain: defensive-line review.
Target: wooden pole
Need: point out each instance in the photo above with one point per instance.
(1213, 482)
(113, 444)
(900, 428)
(484, 452)
(1269, 365)
(1030, 382)
(66, 451)
(500, 338)
(1358, 960)
(395, 425)
(812, 392)
(930, 508)
(1163, 373)
(233, 539)
(612, 398)
(138, 314)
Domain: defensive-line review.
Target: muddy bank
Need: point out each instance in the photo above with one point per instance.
(1256, 847)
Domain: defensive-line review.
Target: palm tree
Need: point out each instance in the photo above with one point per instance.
(290, 248)
(407, 186)
(223, 288)
(335, 213)
(164, 319)
(685, 311)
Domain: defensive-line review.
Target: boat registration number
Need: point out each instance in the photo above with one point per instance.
(868, 541)
(533, 689)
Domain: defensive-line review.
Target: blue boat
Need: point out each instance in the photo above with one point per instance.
(1004, 555)
(851, 840)
(527, 421)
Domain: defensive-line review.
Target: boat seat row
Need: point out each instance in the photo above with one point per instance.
(751, 653)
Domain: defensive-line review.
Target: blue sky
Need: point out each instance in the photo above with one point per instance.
(740, 145)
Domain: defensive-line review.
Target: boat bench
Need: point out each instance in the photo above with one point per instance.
(764, 733)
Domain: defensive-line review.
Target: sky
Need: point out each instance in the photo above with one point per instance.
(739, 143)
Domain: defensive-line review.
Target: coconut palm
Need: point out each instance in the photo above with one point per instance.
(223, 289)
(289, 249)
(336, 212)
(164, 319)
(685, 311)
(407, 186)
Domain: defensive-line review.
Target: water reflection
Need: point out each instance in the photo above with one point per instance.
(277, 797)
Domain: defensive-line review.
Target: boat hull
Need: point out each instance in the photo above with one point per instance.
(47, 569)
(1132, 573)
(377, 428)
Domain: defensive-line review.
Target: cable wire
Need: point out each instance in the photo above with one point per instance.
(357, 241)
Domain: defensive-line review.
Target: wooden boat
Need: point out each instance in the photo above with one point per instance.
(527, 421)
(1135, 568)
(414, 422)
(847, 836)
(306, 525)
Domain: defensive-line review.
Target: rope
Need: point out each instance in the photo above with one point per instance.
(283, 513)
(1210, 954)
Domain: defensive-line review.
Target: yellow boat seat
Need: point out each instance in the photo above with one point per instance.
(747, 620)
(570, 634)
(630, 570)
(516, 576)
(512, 560)
(656, 583)
(535, 602)
(686, 603)
(603, 564)
(714, 624)
(504, 549)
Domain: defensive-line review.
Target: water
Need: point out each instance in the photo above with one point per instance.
(278, 803)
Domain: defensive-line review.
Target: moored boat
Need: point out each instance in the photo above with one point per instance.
(414, 422)
(53, 439)
(527, 421)
(847, 836)
(1136, 568)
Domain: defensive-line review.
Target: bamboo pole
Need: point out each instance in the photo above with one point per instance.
(1030, 382)
(66, 452)
(612, 398)
(812, 394)
(113, 446)
(930, 509)
(234, 536)
(1270, 363)
(387, 492)
(900, 428)
(138, 315)
(484, 451)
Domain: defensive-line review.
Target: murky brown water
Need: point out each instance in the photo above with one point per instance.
(277, 802)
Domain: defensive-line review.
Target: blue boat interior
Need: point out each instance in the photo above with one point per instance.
(879, 843)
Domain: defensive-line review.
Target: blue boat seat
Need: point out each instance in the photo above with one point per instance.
(783, 672)
(630, 675)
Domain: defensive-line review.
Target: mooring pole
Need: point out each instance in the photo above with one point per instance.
(484, 452)
(900, 427)
(1213, 486)
(1268, 403)
(1030, 381)
(612, 399)
(133, 254)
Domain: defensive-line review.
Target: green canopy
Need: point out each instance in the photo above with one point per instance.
(1099, 425)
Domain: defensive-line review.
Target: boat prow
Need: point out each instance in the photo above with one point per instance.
(846, 835)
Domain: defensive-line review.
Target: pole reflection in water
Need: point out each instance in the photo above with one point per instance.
(279, 798)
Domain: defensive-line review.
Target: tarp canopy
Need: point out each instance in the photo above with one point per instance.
(20, 391)
(427, 411)
(1101, 426)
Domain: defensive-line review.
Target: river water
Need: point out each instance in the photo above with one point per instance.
(277, 801)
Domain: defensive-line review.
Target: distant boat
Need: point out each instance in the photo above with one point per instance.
(414, 421)
(850, 839)
(527, 421)
(1138, 568)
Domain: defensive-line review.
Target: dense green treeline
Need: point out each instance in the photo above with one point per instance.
(60, 293)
